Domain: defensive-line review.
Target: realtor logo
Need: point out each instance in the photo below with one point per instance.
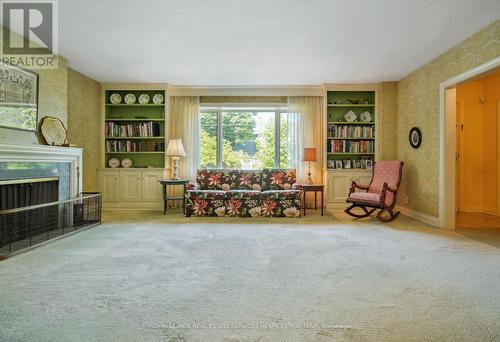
(29, 33)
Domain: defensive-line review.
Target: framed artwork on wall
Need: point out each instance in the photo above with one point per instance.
(18, 98)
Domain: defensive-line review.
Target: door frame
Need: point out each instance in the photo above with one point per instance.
(447, 140)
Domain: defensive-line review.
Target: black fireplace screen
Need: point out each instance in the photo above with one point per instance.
(26, 226)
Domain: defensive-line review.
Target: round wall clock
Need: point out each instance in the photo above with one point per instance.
(415, 137)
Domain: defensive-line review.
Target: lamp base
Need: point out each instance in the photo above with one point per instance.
(175, 168)
(309, 180)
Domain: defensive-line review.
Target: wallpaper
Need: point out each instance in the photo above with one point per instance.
(84, 123)
(418, 105)
(388, 111)
(52, 101)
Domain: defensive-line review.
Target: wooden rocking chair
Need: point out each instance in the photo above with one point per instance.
(379, 194)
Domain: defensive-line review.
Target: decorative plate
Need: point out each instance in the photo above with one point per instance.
(130, 99)
(158, 99)
(127, 163)
(53, 131)
(365, 117)
(115, 98)
(350, 116)
(113, 163)
(144, 99)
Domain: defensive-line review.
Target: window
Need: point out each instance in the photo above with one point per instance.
(249, 138)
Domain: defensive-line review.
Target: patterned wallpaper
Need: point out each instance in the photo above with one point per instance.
(52, 101)
(418, 105)
(388, 110)
(84, 123)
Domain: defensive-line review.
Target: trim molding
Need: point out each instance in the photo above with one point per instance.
(307, 90)
(419, 216)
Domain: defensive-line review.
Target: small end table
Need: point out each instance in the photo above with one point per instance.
(313, 188)
(173, 182)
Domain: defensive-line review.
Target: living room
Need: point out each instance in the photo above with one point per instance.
(249, 171)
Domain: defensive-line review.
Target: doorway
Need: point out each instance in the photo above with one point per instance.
(449, 179)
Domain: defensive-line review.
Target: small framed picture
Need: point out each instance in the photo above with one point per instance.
(363, 161)
(338, 164)
(347, 164)
(356, 164)
(331, 163)
(369, 164)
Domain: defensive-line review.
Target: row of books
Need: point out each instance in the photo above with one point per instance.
(134, 146)
(144, 129)
(350, 146)
(350, 131)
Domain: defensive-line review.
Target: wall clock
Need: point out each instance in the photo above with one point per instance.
(415, 137)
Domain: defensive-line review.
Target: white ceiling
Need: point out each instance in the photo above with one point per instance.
(263, 42)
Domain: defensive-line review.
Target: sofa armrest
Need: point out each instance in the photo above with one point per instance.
(191, 186)
(297, 187)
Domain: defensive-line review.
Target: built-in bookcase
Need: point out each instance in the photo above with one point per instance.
(349, 144)
(135, 131)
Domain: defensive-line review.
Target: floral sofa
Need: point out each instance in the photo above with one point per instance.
(244, 193)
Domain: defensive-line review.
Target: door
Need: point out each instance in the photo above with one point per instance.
(151, 188)
(130, 186)
(339, 183)
(110, 186)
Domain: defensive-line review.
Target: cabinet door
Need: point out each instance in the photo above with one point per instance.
(363, 177)
(130, 186)
(339, 183)
(151, 188)
(110, 186)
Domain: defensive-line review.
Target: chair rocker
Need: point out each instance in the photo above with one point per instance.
(379, 194)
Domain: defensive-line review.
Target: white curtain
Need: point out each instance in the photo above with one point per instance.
(183, 123)
(305, 129)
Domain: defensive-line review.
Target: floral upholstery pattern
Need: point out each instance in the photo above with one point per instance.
(278, 179)
(239, 193)
(281, 203)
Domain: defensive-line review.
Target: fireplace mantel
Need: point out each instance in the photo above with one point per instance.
(44, 153)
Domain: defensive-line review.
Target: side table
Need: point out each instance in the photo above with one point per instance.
(313, 188)
(173, 182)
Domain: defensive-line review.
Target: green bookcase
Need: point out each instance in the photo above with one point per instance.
(135, 131)
(349, 142)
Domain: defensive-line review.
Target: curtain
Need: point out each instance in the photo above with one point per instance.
(305, 116)
(183, 123)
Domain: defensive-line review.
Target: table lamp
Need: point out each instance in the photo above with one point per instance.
(175, 150)
(309, 156)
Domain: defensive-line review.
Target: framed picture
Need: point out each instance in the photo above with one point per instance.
(415, 137)
(369, 164)
(18, 98)
(347, 164)
(356, 164)
(338, 164)
(330, 163)
(363, 161)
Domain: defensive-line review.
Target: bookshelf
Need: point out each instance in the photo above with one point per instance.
(135, 131)
(350, 144)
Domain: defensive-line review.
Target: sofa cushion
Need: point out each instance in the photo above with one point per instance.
(214, 179)
(243, 194)
(278, 179)
(246, 179)
(365, 196)
(206, 194)
(281, 194)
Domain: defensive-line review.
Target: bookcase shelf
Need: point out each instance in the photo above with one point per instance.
(145, 123)
(352, 105)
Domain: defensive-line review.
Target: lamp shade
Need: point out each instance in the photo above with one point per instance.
(309, 154)
(175, 148)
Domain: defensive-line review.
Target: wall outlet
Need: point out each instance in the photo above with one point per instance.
(407, 200)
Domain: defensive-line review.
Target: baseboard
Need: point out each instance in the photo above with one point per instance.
(419, 216)
(132, 206)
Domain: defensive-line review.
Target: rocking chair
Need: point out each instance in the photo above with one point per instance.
(379, 194)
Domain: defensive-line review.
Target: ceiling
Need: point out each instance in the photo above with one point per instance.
(262, 42)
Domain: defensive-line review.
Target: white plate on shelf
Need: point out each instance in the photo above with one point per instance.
(144, 99)
(127, 163)
(365, 117)
(115, 98)
(350, 116)
(158, 99)
(113, 163)
(130, 99)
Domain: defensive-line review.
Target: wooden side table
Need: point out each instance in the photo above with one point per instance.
(313, 188)
(166, 198)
